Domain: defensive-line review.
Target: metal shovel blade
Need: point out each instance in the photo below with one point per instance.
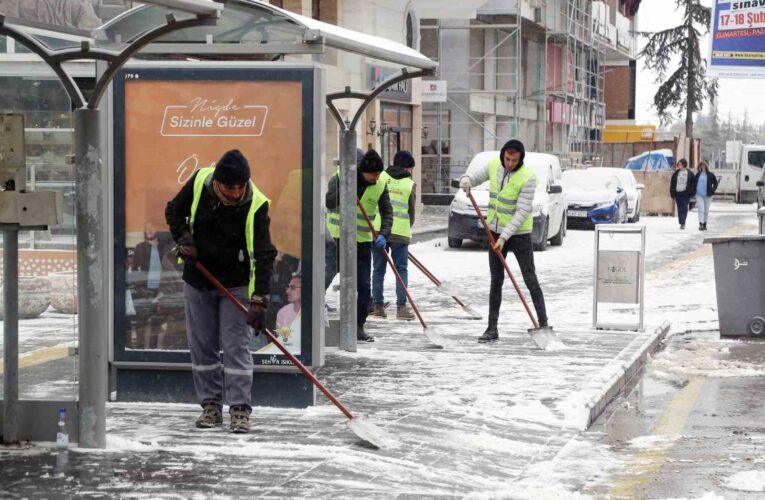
(545, 338)
(369, 432)
(434, 337)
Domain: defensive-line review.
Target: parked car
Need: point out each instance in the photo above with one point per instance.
(549, 206)
(633, 188)
(594, 196)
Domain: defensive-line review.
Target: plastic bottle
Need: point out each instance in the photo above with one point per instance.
(62, 437)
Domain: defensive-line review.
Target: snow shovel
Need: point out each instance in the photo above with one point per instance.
(433, 336)
(361, 426)
(444, 288)
(542, 337)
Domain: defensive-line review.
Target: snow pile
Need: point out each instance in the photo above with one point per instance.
(752, 480)
(647, 442)
(704, 357)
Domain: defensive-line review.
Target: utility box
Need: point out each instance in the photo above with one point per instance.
(17, 206)
(740, 284)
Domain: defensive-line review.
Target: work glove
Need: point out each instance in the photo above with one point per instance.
(256, 314)
(499, 244)
(465, 184)
(380, 241)
(187, 249)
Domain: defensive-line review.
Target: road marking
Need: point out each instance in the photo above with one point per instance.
(648, 461)
(41, 356)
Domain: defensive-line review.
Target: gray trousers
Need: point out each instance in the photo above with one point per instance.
(213, 325)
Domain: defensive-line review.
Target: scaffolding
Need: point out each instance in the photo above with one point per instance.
(575, 83)
(527, 69)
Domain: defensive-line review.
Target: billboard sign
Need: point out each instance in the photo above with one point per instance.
(737, 46)
(169, 123)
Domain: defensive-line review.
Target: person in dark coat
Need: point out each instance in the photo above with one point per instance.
(208, 219)
(681, 190)
(705, 186)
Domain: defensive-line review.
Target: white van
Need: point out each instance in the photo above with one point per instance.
(549, 208)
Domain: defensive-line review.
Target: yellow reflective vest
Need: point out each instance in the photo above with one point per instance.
(369, 201)
(399, 191)
(258, 199)
(502, 203)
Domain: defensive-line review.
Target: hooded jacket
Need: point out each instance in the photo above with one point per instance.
(525, 200)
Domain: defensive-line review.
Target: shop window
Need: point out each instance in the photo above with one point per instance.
(398, 130)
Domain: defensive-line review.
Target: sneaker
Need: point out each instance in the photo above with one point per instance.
(211, 417)
(701, 226)
(705, 226)
(490, 335)
(682, 226)
(378, 311)
(403, 312)
(240, 420)
(362, 336)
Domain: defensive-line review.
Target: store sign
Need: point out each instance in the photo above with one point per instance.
(737, 47)
(169, 124)
(434, 91)
(401, 91)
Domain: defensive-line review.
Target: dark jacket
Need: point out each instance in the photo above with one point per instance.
(399, 173)
(711, 183)
(690, 190)
(220, 240)
(332, 201)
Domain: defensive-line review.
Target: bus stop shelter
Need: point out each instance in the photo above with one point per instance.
(180, 30)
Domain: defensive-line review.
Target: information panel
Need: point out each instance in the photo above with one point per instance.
(169, 123)
(737, 46)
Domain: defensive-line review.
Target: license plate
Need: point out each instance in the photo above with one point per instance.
(577, 213)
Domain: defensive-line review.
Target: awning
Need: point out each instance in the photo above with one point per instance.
(255, 27)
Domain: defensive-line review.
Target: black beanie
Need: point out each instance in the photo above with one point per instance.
(403, 159)
(359, 156)
(516, 146)
(232, 169)
(371, 162)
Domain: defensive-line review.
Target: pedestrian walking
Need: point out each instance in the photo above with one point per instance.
(705, 186)
(512, 185)
(401, 188)
(681, 190)
(227, 231)
(374, 196)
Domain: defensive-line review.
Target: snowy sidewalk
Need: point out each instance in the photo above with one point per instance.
(470, 420)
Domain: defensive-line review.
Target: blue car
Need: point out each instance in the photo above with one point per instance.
(594, 197)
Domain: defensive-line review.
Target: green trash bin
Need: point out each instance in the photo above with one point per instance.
(740, 284)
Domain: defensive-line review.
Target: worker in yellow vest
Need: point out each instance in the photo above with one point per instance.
(373, 195)
(401, 188)
(511, 192)
(220, 218)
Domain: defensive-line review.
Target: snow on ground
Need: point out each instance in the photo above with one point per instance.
(498, 421)
(752, 480)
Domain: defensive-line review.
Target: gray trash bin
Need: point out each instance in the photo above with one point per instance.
(740, 279)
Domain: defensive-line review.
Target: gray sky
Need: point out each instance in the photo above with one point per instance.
(735, 95)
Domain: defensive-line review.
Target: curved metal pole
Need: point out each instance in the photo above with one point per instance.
(347, 250)
(72, 90)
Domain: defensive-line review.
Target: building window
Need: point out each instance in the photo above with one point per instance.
(398, 136)
(316, 10)
(277, 3)
(409, 30)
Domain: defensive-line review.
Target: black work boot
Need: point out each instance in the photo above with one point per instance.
(490, 335)
(362, 336)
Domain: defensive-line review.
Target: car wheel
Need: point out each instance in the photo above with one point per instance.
(542, 245)
(557, 240)
(455, 242)
(637, 214)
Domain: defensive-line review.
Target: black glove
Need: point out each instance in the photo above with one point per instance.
(256, 314)
(187, 249)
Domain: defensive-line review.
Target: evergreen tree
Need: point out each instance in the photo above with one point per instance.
(686, 87)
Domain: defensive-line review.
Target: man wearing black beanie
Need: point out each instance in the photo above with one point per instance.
(221, 204)
(373, 195)
(512, 185)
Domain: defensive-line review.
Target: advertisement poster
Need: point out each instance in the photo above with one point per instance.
(737, 46)
(176, 124)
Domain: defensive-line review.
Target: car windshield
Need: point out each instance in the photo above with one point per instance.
(588, 180)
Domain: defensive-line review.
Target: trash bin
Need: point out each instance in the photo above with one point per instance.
(761, 214)
(740, 282)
